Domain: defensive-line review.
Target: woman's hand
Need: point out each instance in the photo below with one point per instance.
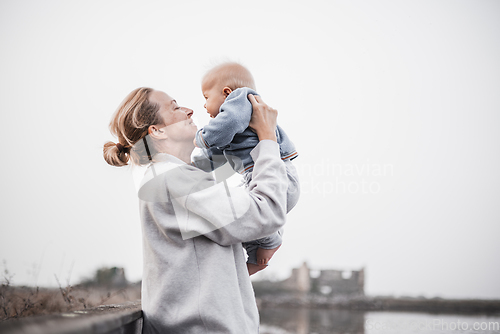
(264, 118)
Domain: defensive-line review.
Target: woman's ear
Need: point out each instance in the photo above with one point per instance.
(226, 91)
(156, 132)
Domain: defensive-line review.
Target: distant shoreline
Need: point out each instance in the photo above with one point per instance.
(367, 303)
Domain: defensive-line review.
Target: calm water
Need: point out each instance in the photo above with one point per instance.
(306, 321)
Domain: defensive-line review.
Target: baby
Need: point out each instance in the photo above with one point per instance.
(227, 138)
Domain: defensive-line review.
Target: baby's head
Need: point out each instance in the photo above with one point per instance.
(220, 81)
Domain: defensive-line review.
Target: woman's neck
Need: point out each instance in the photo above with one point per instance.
(182, 152)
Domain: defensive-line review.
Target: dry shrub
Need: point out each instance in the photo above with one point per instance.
(16, 302)
(23, 301)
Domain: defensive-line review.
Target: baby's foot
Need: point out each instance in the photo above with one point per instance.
(253, 268)
(264, 255)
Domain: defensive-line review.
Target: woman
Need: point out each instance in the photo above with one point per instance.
(195, 278)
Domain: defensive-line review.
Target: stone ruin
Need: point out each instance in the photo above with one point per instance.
(327, 282)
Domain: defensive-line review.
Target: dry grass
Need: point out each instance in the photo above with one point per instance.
(22, 301)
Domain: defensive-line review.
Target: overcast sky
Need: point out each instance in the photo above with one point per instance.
(394, 107)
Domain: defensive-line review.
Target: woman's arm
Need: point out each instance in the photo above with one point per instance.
(229, 216)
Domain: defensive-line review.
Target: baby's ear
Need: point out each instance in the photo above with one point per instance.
(226, 91)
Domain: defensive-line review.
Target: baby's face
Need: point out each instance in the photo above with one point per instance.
(214, 97)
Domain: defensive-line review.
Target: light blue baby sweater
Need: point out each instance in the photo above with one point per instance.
(227, 137)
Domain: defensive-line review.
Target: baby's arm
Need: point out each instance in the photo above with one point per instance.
(234, 117)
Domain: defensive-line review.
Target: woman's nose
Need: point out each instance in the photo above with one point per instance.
(189, 112)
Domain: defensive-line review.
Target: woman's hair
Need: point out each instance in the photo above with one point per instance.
(130, 124)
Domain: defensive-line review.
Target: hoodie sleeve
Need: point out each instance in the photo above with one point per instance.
(225, 215)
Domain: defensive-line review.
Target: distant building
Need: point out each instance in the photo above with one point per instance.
(326, 282)
(113, 276)
(107, 277)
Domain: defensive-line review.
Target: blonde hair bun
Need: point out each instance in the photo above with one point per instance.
(114, 156)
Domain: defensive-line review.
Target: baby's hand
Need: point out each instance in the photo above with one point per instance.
(194, 142)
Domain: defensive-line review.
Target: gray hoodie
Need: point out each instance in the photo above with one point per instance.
(195, 278)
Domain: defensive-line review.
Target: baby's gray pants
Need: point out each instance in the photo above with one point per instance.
(292, 197)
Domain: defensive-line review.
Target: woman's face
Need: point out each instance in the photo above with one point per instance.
(178, 123)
